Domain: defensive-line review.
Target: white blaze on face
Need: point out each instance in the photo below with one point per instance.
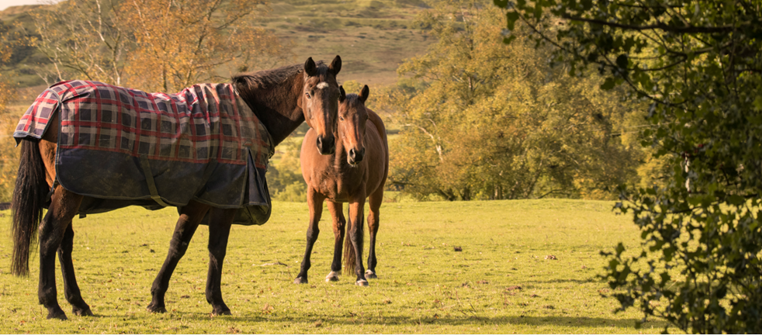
(322, 85)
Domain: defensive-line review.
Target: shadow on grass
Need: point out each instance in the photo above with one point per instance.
(562, 281)
(403, 321)
(558, 321)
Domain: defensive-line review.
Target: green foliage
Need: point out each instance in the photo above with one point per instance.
(8, 152)
(500, 283)
(284, 175)
(10, 42)
(352, 86)
(488, 121)
(698, 65)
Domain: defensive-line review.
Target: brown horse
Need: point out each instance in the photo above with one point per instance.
(281, 99)
(358, 169)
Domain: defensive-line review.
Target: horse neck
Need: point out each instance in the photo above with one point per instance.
(278, 108)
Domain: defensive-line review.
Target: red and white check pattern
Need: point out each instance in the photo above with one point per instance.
(197, 124)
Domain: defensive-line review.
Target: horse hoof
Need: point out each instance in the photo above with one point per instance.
(57, 313)
(82, 312)
(300, 280)
(156, 308)
(370, 274)
(333, 276)
(221, 311)
(362, 283)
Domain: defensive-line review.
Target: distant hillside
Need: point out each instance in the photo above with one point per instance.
(25, 59)
(373, 37)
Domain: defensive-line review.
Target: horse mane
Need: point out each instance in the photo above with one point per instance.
(270, 94)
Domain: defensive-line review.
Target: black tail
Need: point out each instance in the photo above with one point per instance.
(350, 258)
(28, 200)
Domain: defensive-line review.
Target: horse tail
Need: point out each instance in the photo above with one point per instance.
(350, 258)
(26, 205)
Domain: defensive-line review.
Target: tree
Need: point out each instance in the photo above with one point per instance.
(484, 120)
(181, 42)
(9, 40)
(284, 176)
(86, 39)
(8, 152)
(699, 66)
(155, 45)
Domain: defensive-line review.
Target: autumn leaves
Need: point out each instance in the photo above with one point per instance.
(154, 45)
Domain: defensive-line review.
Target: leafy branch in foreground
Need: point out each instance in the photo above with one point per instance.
(699, 65)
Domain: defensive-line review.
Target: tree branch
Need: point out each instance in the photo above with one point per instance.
(659, 26)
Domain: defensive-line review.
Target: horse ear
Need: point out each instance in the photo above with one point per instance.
(310, 68)
(364, 93)
(335, 66)
(342, 94)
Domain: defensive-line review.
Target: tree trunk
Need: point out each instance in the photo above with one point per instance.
(466, 194)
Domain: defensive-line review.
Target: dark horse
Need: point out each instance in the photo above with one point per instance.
(357, 170)
(282, 99)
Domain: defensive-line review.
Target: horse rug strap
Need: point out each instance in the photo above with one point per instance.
(120, 147)
(149, 180)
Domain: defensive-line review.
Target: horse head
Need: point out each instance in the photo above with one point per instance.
(351, 125)
(320, 102)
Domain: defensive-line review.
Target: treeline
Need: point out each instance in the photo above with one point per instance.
(481, 119)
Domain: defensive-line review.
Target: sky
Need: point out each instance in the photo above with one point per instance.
(8, 3)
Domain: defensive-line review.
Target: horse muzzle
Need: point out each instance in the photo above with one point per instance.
(326, 145)
(356, 156)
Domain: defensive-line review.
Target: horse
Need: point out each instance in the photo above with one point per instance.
(357, 170)
(282, 99)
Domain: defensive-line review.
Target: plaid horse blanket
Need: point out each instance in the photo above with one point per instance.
(120, 147)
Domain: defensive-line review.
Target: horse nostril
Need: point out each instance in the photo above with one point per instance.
(352, 154)
(330, 145)
(320, 143)
(359, 155)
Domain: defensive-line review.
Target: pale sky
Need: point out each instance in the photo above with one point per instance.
(7, 3)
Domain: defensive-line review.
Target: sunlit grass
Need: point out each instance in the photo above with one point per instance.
(501, 282)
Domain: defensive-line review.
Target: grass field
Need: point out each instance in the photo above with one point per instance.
(500, 282)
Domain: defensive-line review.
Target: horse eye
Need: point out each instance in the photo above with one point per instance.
(308, 94)
(342, 118)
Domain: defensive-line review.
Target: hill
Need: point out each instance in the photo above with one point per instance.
(373, 37)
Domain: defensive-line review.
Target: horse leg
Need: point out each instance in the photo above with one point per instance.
(47, 149)
(356, 209)
(315, 202)
(64, 205)
(219, 231)
(190, 216)
(71, 289)
(339, 222)
(374, 201)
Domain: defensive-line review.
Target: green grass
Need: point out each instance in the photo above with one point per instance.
(424, 286)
